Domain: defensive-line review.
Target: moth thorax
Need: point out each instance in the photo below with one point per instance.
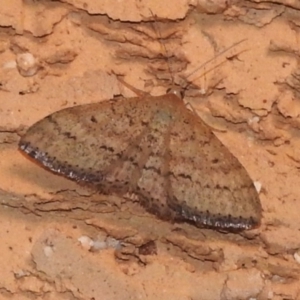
(176, 91)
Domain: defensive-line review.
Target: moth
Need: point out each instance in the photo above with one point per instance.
(155, 148)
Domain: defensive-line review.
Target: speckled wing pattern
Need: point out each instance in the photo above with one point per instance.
(155, 148)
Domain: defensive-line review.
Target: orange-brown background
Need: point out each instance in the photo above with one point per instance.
(252, 101)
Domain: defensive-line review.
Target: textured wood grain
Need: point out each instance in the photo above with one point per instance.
(155, 148)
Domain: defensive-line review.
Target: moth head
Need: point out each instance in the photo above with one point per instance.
(179, 92)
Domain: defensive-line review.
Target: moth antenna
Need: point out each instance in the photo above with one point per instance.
(163, 46)
(180, 93)
(209, 61)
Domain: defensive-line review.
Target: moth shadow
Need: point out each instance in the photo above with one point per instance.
(30, 173)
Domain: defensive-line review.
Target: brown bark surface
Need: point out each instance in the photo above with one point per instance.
(63, 241)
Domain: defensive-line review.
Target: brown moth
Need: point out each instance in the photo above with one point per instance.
(155, 148)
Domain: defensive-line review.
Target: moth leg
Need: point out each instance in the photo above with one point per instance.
(138, 92)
